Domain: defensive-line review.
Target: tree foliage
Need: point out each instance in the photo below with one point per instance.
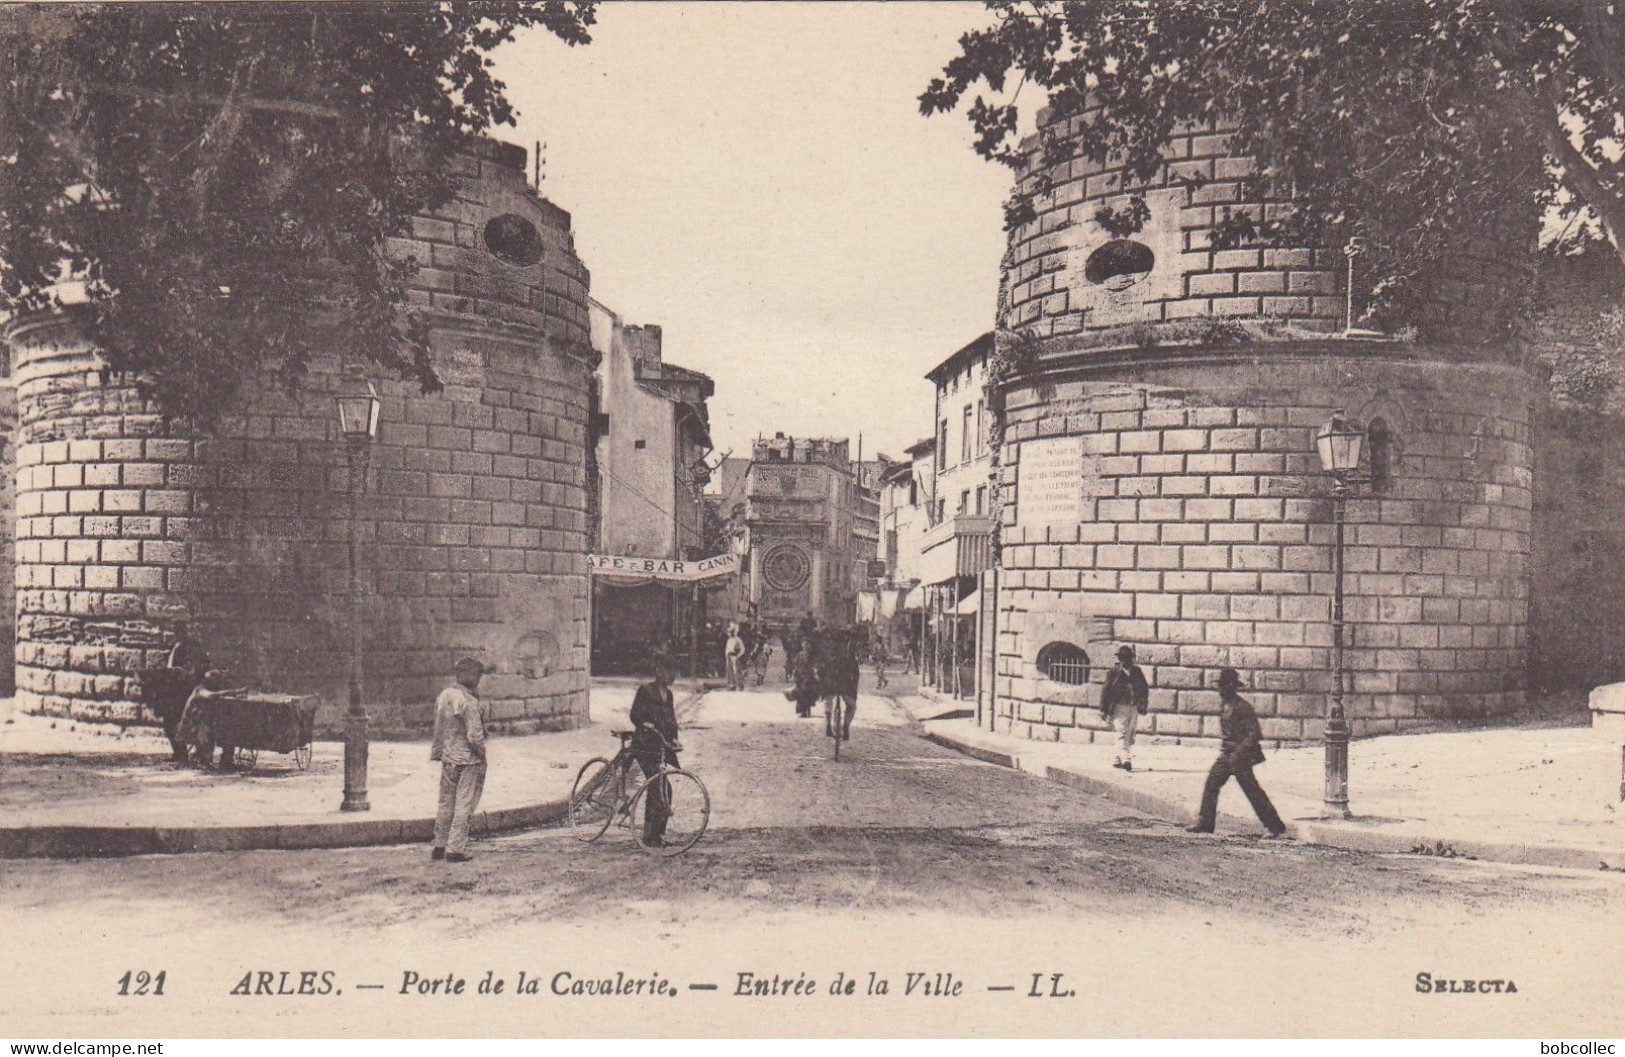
(1408, 123)
(214, 178)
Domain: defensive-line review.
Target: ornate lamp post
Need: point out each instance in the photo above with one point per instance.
(1339, 446)
(358, 421)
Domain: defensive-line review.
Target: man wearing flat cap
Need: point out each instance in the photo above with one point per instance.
(1123, 700)
(459, 745)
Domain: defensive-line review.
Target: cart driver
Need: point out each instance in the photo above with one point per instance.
(197, 725)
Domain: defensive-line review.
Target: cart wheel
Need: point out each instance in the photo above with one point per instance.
(301, 757)
(246, 758)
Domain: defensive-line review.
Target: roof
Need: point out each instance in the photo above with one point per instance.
(981, 347)
(920, 447)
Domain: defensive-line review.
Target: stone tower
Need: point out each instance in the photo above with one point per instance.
(472, 528)
(1160, 485)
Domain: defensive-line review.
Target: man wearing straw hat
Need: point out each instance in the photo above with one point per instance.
(1123, 700)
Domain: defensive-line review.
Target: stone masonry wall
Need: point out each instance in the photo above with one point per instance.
(1163, 395)
(1204, 541)
(472, 531)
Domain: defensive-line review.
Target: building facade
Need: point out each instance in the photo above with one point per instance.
(956, 549)
(811, 541)
(905, 513)
(652, 438)
(473, 521)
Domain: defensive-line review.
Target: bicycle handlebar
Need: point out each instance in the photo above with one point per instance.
(628, 735)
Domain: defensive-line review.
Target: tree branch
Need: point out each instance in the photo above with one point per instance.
(1583, 180)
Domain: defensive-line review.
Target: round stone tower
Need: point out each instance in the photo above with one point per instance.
(1160, 485)
(472, 522)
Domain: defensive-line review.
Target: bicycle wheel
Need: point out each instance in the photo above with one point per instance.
(594, 798)
(688, 813)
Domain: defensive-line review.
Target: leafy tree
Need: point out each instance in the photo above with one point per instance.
(1406, 122)
(216, 177)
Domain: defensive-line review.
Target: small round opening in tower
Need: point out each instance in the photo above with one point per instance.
(1119, 264)
(514, 239)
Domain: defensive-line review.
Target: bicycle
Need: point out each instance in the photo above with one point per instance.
(835, 720)
(599, 797)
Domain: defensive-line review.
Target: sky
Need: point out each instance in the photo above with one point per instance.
(756, 179)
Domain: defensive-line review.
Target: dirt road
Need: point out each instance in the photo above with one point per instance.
(902, 858)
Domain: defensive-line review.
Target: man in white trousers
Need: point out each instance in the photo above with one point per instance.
(1123, 700)
(459, 745)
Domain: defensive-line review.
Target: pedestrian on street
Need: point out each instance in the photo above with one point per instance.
(654, 717)
(880, 655)
(1240, 750)
(805, 689)
(459, 745)
(734, 653)
(1123, 700)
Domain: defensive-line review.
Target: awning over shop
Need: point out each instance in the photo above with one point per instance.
(915, 599)
(970, 605)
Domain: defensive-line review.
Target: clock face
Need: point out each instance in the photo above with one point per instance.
(785, 568)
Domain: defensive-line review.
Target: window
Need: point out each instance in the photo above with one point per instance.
(964, 501)
(967, 436)
(981, 501)
(640, 444)
(913, 492)
(1382, 454)
(512, 238)
(942, 439)
(981, 426)
(891, 548)
(1062, 662)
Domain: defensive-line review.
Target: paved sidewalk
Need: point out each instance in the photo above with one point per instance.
(70, 788)
(1547, 796)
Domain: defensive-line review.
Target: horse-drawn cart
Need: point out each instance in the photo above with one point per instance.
(254, 722)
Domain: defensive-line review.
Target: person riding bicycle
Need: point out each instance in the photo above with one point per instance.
(843, 675)
(654, 716)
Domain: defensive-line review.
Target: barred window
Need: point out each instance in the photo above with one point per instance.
(1065, 663)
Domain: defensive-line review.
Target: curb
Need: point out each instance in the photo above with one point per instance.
(78, 842)
(1347, 836)
(88, 842)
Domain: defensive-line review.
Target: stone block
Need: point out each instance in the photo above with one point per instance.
(1139, 441)
(1210, 284)
(1186, 440)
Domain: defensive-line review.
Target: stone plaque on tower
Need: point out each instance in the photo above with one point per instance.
(1049, 482)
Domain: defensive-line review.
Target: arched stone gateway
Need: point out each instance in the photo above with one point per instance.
(472, 530)
(1160, 486)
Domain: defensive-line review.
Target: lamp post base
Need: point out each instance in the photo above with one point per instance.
(355, 764)
(1336, 800)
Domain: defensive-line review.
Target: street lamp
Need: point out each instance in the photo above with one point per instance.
(358, 421)
(1339, 445)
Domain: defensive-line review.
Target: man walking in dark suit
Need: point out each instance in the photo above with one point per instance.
(1239, 752)
(653, 712)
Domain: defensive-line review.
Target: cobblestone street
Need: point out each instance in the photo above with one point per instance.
(903, 857)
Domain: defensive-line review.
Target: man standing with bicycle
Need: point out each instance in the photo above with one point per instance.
(654, 716)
